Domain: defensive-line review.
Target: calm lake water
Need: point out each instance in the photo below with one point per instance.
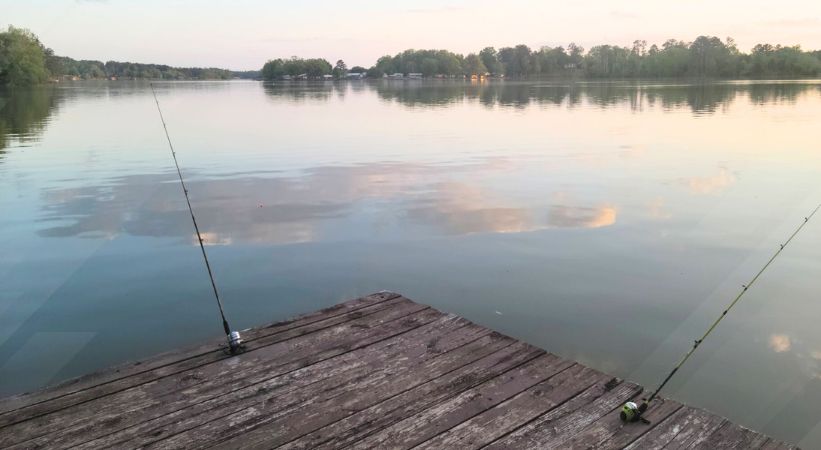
(608, 223)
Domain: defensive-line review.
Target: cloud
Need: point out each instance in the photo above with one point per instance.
(711, 184)
(563, 216)
(460, 208)
(780, 343)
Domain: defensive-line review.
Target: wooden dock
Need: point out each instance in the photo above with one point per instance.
(376, 372)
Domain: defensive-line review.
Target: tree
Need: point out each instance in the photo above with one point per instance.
(317, 67)
(518, 61)
(708, 55)
(473, 65)
(375, 72)
(358, 69)
(340, 69)
(490, 60)
(273, 70)
(22, 58)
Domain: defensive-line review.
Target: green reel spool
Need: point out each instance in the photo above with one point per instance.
(631, 412)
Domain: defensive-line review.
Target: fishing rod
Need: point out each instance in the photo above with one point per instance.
(631, 412)
(234, 339)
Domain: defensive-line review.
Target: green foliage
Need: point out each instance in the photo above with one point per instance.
(490, 60)
(427, 62)
(473, 65)
(129, 70)
(519, 61)
(340, 69)
(25, 61)
(276, 69)
(766, 61)
(22, 58)
(706, 56)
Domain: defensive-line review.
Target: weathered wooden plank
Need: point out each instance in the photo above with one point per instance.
(95, 379)
(773, 444)
(262, 383)
(394, 409)
(557, 426)
(255, 426)
(287, 355)
(380, 371)
(444, 416)
(511, 414)
(609, 432)
(732, 436)
(686, 428)
(322, 379)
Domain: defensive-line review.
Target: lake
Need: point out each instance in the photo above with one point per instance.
(609, 223)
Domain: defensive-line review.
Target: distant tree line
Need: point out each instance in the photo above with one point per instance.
(24, 60)
(85, 69)
(706, 56)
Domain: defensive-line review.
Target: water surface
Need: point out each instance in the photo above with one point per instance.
(608, 223)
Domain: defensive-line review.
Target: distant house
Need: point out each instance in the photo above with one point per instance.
(287, 77)
(355, 75)
(397, 75)
(327, 77)
(415, 75)
(302, 76)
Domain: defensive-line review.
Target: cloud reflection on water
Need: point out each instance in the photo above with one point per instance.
(710, 184)
(565, 216)
(315, 205)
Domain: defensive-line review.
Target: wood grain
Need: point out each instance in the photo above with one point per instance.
(377, 372)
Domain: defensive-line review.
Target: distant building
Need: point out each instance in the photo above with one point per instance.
(397, 75)
(415, 75)
(355, 75)
(302, 76)
(327, 77)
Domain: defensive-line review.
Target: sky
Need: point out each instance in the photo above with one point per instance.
(243, 34)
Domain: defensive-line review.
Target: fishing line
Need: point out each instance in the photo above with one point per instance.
(234, 340)
(631, 412)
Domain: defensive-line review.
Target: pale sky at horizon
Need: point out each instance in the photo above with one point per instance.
(243, 34)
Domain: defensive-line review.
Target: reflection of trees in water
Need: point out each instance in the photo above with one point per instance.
(779, 92)
(699, 98)
(24, 113)
(300, 91)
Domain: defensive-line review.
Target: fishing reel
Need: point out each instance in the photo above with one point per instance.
(632, 412)
(235, 344)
